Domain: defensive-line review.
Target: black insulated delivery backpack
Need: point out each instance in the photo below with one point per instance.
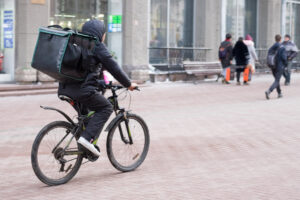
(63, 54)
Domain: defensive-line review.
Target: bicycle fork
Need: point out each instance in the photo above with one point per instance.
(128, 131)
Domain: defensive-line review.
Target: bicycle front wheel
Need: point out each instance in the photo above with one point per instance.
(125, 153)
(55, 157)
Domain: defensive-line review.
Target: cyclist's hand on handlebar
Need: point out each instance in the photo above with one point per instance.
(101, 84)
(133, 86)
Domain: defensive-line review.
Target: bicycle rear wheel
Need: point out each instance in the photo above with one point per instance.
(51, 162)
(123, 155)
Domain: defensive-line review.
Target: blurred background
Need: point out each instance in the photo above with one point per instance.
(159, 33)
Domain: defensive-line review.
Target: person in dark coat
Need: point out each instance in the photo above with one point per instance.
(291, 51)
(241, 54)
(280, 64)
(225, 57)
(86, 92)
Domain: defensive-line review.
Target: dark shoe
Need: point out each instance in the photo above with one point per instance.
(246, 83)
(286, 83)
(280, 95)
(226, 82)
(267, 94)
(238, 83)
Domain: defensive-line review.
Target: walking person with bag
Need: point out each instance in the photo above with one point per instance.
(241, 54)
(291, 50)
(225, 57)
(252, 55)
(277, 61)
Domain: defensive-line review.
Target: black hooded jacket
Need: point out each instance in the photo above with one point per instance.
(102, 55)
(240, 53)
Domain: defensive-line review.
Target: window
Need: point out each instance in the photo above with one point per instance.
(171, 30)
(74, 13)
(241, 17)
(159, 11)
(292, 26)
(158, 30)
(181, 23)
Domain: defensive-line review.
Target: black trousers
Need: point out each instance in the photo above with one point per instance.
(91, 100)
(239, 70)
(277, 73)
(287, 72)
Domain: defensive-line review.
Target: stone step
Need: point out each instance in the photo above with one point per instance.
(19, 87)
(27, 92)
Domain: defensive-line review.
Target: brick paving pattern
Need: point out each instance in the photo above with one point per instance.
(208, 141)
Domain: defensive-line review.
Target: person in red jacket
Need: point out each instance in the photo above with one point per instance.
(225, 57)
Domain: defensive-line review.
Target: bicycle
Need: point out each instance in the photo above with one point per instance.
(56, 156)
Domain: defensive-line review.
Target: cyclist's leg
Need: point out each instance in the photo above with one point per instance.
(103, 109)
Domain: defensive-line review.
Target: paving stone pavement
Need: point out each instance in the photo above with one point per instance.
(208, 141)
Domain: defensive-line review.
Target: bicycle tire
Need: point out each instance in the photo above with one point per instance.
(109, 147)
(34, 155)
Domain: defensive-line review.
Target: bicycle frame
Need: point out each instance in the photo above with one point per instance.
(119, 112)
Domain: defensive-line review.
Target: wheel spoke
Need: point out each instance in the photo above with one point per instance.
(50, 154)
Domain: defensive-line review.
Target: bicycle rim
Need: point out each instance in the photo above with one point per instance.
(127, 157)
(48, 154)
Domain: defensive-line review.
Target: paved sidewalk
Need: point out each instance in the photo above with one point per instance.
(208, 141)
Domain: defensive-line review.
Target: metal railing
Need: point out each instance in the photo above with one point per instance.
(262, 58)
(170, 59)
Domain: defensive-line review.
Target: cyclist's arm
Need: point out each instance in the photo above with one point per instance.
(111, 65)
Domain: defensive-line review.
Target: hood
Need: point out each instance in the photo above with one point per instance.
(248, 37)
(240, 44)
(94, 27)
(249, 42)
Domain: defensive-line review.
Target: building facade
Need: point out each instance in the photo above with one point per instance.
(161, 33)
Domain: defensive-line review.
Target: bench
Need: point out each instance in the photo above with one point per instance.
(202, 69)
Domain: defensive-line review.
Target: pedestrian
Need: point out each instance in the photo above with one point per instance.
(252, 54)
(241, 54)
(225, 57)
(291, 51)
(86, 92)
(280, 62)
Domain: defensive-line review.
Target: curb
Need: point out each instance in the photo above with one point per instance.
(16, 87)
(27, 92)
(7, 90)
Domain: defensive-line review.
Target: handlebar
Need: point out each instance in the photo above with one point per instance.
(117, 87)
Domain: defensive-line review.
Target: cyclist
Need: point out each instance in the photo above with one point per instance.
(86, 92)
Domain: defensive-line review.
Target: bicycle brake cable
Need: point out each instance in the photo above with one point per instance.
(127, 93)
(129, 101)
(121, 99)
